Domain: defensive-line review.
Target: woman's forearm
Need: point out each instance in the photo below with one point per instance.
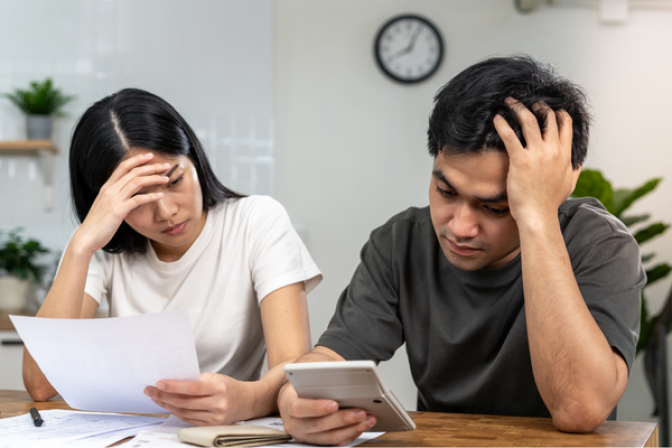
(66, 295)
(267, 388)
(64, 300)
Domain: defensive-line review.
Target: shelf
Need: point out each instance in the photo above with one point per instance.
(27, 146)
(45, 150)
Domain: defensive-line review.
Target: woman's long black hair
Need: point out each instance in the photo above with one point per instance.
(129, 119)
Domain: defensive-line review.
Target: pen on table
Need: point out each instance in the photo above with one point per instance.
(37, 420)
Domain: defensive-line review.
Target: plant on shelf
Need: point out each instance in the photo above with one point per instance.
(17, 268)
(40, 102)
(652, 328)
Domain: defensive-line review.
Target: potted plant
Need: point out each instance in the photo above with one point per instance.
(40, 102)
(17, 267)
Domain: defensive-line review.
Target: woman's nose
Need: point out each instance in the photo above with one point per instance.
(165, 208)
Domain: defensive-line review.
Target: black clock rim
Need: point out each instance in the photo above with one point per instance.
(380, 35)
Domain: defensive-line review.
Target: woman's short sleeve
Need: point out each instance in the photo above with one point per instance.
(278, 256)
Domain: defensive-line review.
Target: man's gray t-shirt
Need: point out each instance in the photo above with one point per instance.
(465, 332)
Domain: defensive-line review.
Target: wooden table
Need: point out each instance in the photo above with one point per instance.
(442, 429)
(6, 324)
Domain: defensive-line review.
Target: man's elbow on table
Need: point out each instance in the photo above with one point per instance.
(581, 417)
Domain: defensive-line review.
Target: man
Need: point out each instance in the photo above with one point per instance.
(511, 299)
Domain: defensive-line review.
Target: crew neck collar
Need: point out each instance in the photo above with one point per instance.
(491, 276)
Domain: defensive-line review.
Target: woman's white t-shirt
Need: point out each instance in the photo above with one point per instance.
(246, 250)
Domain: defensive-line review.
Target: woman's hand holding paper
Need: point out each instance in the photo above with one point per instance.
(214, 400)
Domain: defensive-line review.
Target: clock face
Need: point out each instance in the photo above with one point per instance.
(409, 49)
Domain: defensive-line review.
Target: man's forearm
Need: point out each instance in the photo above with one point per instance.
(267, 388)
(577, 373)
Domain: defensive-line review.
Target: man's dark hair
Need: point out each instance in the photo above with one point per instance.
(109, 129)
(464, 109)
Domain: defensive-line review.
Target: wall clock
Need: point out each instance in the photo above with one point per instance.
(409, 49)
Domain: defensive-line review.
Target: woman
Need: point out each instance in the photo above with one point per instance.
(172, 236)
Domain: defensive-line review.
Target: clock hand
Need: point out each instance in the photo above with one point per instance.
(414, 38)
(408, 47)
(399, 54)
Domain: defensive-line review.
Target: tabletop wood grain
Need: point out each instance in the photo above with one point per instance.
(444, 429)
(6, 324)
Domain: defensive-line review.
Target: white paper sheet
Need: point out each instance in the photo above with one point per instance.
(165, 436)
(155, 439)
(105, 364)
(276, 423)
(64, 427)
(106, 439)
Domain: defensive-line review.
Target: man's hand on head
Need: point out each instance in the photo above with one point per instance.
(540, 175)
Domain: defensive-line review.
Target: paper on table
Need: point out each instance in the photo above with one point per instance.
(63, 427)
(106, 439)
(276, 423)
(105, 364)
(165, 436)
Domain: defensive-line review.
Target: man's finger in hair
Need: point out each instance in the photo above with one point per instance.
(528, 121)
(551, 128)
(565, 128)
(508, 136)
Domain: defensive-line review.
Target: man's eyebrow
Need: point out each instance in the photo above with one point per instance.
(172, 170)
(496, 199)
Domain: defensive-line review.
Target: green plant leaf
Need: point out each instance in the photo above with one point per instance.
(650, 232)
(648, 257)
(16, 257)
(591, 183)
(627, 197)
(632, 220)
(620, 195)
(658, 272)
(41, 99)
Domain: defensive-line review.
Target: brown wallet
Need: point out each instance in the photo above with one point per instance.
(235, 435)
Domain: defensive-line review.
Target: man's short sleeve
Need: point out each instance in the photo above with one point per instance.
(366, 323)
(607, 265)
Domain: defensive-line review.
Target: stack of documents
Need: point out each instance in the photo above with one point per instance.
(72, 429)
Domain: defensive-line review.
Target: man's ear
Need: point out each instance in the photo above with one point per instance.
(575, 177)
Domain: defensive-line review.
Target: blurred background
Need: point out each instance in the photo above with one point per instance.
(288, 100)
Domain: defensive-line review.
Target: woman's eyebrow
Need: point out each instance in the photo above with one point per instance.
(172, 170)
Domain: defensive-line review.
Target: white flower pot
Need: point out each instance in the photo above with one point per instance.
(13, 293)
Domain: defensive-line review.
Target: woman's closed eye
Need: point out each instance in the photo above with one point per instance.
(176, 181)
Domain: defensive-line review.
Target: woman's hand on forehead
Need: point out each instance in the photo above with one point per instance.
(118, 197)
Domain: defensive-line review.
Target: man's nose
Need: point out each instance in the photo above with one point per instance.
(464, 223)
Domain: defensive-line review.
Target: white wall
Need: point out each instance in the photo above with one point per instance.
(351, 143)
